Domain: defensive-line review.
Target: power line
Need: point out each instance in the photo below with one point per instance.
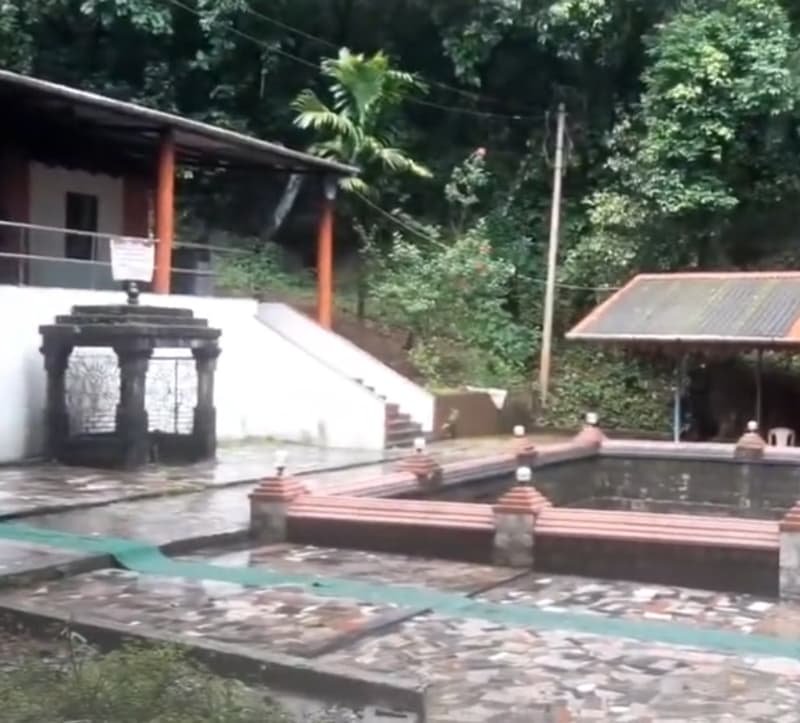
(329, 44)
(290, 56)
(400, 223)
(247, 36)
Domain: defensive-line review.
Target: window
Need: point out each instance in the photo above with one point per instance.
(81, 215)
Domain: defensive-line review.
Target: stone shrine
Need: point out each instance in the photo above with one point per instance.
(133, 332)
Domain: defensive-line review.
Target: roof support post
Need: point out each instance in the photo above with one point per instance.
(759, 386)
(677, 412)
(325, 254)
(165, 212)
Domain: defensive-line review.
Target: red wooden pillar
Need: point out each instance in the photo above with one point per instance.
(325, 255)
(165, 212)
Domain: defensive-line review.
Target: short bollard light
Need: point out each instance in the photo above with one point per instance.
(592, 419)
(280, 462)
(524, 475)
(419, 445)
(519, 431)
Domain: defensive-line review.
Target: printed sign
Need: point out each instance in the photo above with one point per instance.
(132, 259)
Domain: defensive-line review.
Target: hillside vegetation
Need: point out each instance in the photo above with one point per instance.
(682, 153)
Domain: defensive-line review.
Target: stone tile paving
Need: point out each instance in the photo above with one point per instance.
(40, 488)
(182, 516)
(28, 488)
(482, 672)
(359, 565)
(281, 619)
(629, 600)
(161, 520)
(19, 558)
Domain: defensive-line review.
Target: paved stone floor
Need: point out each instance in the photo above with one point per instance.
(478, 670)
(41, 488)
(32, 488)
(358, 565)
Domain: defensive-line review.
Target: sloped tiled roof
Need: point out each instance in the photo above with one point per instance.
(753, 309)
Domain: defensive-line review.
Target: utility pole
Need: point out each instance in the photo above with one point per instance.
(552, 258)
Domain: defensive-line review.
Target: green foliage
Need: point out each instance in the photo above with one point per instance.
(357, 127)
(132, 685)
(709, 142)
(264, 270)
(452, 300)
(627, 394)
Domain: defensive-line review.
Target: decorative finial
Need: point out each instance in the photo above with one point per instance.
(524, 475)
(133, 293)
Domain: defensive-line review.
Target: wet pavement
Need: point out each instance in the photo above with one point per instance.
(33, 488)
(357, 565)
(478, 671)
(482, 672)
(20, 559)
(46, 488)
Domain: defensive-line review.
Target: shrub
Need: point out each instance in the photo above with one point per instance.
(132, 685)
(452, 299)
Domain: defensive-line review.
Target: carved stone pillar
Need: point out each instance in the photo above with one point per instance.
(131, 411)
(204, 430)
(56, 359)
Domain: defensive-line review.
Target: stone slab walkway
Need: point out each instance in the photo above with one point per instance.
(478, 670)
(40, 488)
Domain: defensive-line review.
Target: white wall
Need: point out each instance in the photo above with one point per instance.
(351, 361)
(48, 191)
(265, 385)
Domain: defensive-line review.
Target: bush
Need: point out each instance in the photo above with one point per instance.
(133, 685)
(625, 393)
(263, 270)
(452, 299)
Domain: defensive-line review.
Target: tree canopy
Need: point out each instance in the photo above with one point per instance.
(683, 116)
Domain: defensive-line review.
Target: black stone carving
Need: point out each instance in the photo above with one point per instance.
(133, 332)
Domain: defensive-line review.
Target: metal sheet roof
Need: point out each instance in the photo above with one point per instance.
(756, 310)
(118, 120)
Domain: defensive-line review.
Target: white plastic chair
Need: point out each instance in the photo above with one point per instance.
(781, 437)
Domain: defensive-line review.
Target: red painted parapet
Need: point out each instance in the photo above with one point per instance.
(522, 500)
(425, 468)
(384, 485)
(523, 447)
(279, 489)
(658, 528)
(426, 527)
(269, 504)
(591, 434)
(789, 560)
(515, 516)
(791, 520)
(751, 444)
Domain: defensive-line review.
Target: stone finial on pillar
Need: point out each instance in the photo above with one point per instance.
(270, 501)
(591, 434)
(751, 444)
(523, 447)
(424, 467)
(515, 516)
(789, 556)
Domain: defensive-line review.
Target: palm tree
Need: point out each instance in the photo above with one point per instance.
(357, 127)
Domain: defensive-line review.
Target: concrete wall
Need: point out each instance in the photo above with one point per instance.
(266, 386)
(351, 361)
(48, 191)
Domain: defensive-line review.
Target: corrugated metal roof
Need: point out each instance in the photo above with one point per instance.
(759, 309)
(191, 135)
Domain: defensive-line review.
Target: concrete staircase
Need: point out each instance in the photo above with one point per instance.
(406, 408)
(401, 430)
